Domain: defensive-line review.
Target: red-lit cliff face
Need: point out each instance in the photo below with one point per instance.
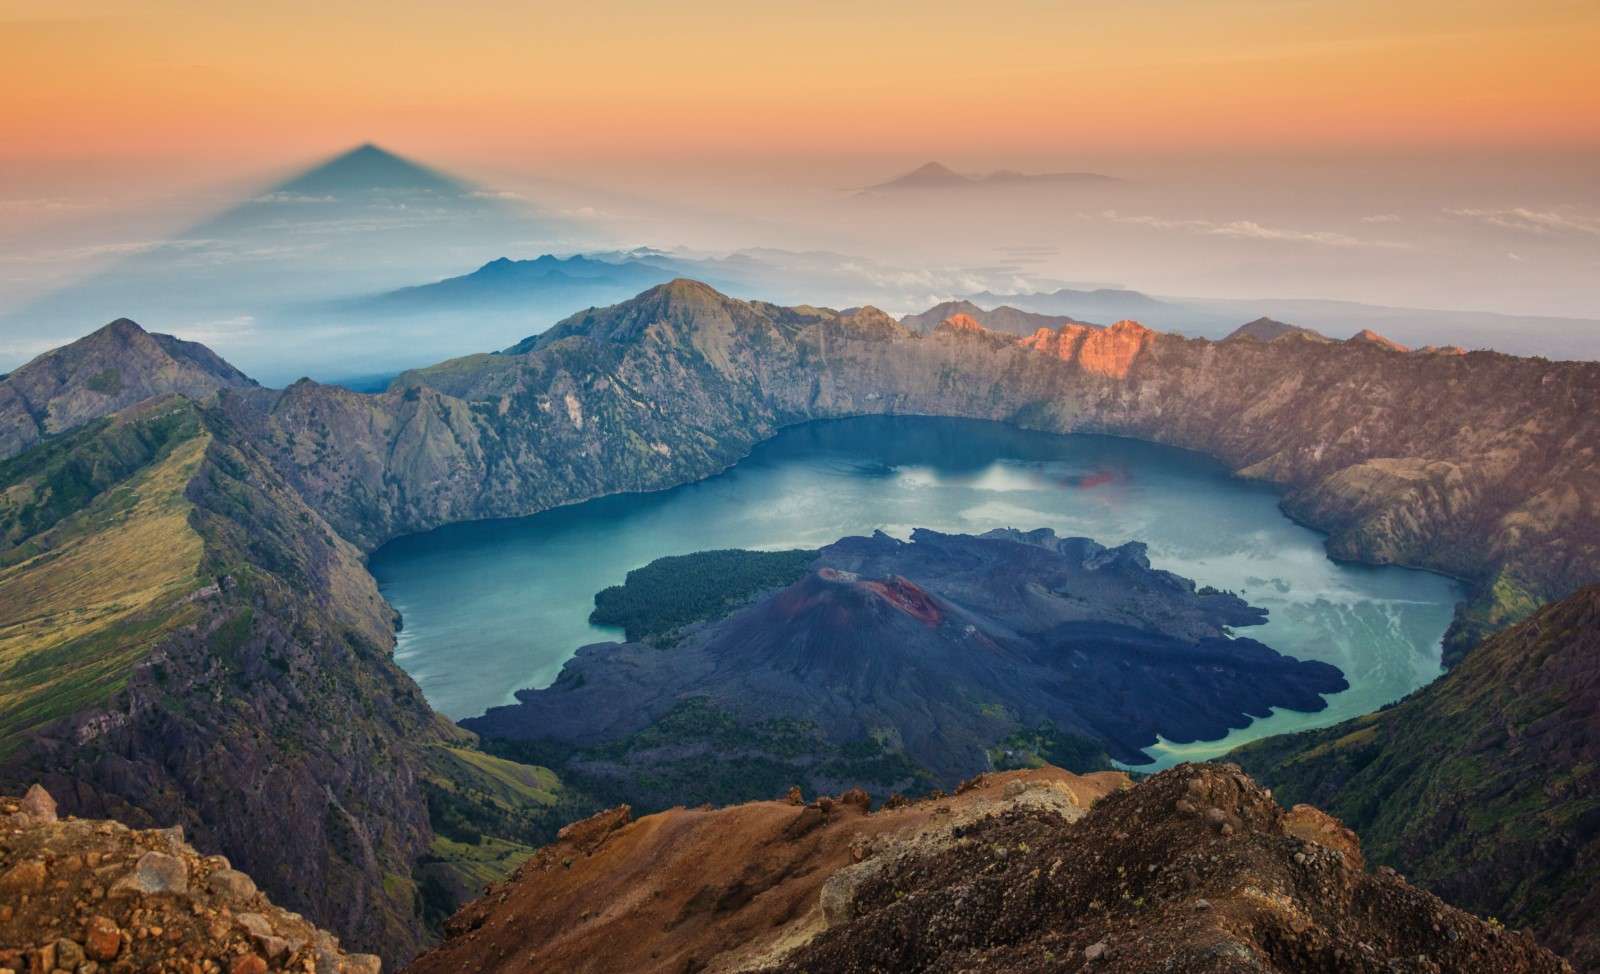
(1103, 351)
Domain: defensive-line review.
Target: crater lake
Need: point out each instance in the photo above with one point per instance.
(490, 607)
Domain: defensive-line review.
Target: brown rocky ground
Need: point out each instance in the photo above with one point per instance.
(1195, 870)
(718, 890)
(91, 896)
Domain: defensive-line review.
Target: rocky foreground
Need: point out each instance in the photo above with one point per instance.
(87, 896)
(1483, 786)
(1195, 870)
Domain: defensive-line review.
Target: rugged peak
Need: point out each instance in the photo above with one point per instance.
(1369, 337)
(681, 299)
(107, 370)
(121, 328)
(1130, 327)
(86, 895)
(682, 302)
(685, 288)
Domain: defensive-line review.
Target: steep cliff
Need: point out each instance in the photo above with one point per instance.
(185, 642)
(1484, 786)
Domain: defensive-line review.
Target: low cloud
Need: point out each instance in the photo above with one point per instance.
(218, 330)
(118, 248)
(1250, 230)
(1528, 220)
(44, 204)
(282, 197)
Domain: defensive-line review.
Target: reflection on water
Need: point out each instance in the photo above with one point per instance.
(490, 607)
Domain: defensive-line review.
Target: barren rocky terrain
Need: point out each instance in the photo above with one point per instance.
(1195, 870)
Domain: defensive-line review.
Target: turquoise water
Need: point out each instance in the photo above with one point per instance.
(493, 606)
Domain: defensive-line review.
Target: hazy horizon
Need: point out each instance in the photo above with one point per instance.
(1437, 157)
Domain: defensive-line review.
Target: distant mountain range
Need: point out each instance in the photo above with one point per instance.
(1003, 319)
(937, 176)
(1561, 338)
(506, 284)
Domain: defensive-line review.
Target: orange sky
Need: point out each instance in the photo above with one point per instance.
(592, 80)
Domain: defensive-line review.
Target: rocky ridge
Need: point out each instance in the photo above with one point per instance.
(1483, 465)
(255, 688)
(111, 369)
(1195, 870)
(88, 896)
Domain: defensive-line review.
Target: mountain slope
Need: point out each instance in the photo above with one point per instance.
(101, 373)
(183, 641)
(98, 560)
(1196, 870)
(1484, 786)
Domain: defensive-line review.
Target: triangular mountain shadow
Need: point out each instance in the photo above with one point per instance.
(368, 183)
(363, 221)
(368, 167)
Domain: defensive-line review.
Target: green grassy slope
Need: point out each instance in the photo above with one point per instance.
(98, 559)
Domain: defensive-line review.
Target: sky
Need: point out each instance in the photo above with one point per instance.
(1432, 153)
(470, 80)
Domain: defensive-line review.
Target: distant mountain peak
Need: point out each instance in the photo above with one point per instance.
(937, 175)
(365, 168)
(1266, 329)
